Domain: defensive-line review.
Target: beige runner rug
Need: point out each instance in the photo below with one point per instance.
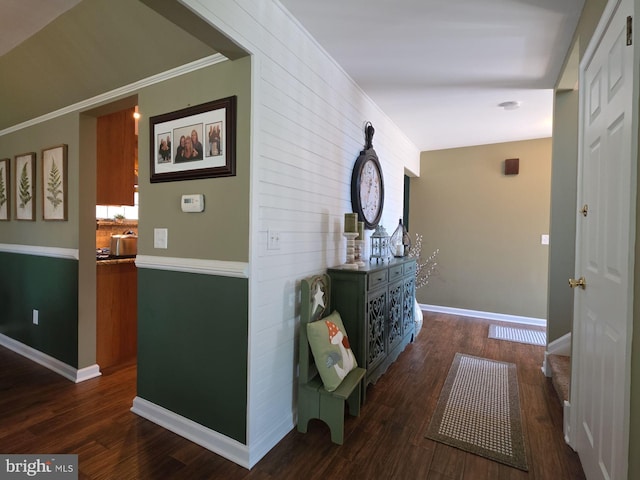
(479, 411)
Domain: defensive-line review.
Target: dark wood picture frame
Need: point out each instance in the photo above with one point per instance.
(195, 142)
(511, 166)
(5, 189)
(25, 187)
(54, 183)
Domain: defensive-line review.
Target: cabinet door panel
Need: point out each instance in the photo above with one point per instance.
(115, 157)
(395, 314)
(376, 308)
(409, 294)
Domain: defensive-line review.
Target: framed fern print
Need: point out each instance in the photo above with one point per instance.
(25, 183)
(5, 189)
(54, 183)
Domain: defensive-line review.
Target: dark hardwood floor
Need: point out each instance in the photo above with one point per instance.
(41, 412)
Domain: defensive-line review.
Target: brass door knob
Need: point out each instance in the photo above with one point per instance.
(581, 282)
(585, 210)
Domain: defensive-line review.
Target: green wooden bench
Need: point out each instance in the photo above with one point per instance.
(314, 401)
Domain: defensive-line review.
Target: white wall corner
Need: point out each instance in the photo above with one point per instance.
(87, 373)
(270, 439)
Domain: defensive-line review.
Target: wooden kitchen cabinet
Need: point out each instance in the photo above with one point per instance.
(116, 146)
(117, 312)
(376, 306)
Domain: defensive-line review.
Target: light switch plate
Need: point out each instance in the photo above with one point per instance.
(544, 239)
(160, 237)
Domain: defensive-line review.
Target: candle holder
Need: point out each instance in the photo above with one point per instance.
(351, 247)
(359, 252)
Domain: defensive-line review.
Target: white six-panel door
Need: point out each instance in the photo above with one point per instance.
(605, 240)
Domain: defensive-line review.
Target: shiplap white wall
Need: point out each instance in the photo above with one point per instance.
(308, 121)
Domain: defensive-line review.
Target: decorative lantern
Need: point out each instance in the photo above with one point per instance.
(400, 242)
(379, 244)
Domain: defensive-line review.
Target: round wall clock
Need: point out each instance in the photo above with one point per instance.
(367, 184)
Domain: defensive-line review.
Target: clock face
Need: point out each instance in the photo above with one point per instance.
(367, 189)
(370, 187)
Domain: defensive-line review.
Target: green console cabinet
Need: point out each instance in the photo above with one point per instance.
(376, 305)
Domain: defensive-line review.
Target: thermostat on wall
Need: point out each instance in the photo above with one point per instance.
(192, 203)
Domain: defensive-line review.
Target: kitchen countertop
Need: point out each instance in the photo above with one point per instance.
(115, 261)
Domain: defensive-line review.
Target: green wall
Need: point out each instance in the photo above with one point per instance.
(193, 329)
(49, 285)
(220, 233)
(29, 282)
(486, 225)
(192, 347)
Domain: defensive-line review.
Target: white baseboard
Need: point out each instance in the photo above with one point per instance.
(87, 373)
(560, 346)
(51, 363)
(500, 317)
(566, 424)
(203, 436)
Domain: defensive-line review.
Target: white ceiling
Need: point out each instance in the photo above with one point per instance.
(439, 68)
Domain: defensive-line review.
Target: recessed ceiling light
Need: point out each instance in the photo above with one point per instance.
(510, 105)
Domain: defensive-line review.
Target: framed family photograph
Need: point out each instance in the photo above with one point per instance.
(5, 189)
(25, 187)
(54, 183)
(195, 142)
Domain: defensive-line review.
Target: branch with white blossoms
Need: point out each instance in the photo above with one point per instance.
(424, 268)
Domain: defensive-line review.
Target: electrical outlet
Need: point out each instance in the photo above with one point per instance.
(273, 240)
(35, 317)
(544, 239)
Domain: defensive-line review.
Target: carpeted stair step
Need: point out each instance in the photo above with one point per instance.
(560, 366)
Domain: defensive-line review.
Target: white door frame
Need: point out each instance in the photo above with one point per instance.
(577, 354)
